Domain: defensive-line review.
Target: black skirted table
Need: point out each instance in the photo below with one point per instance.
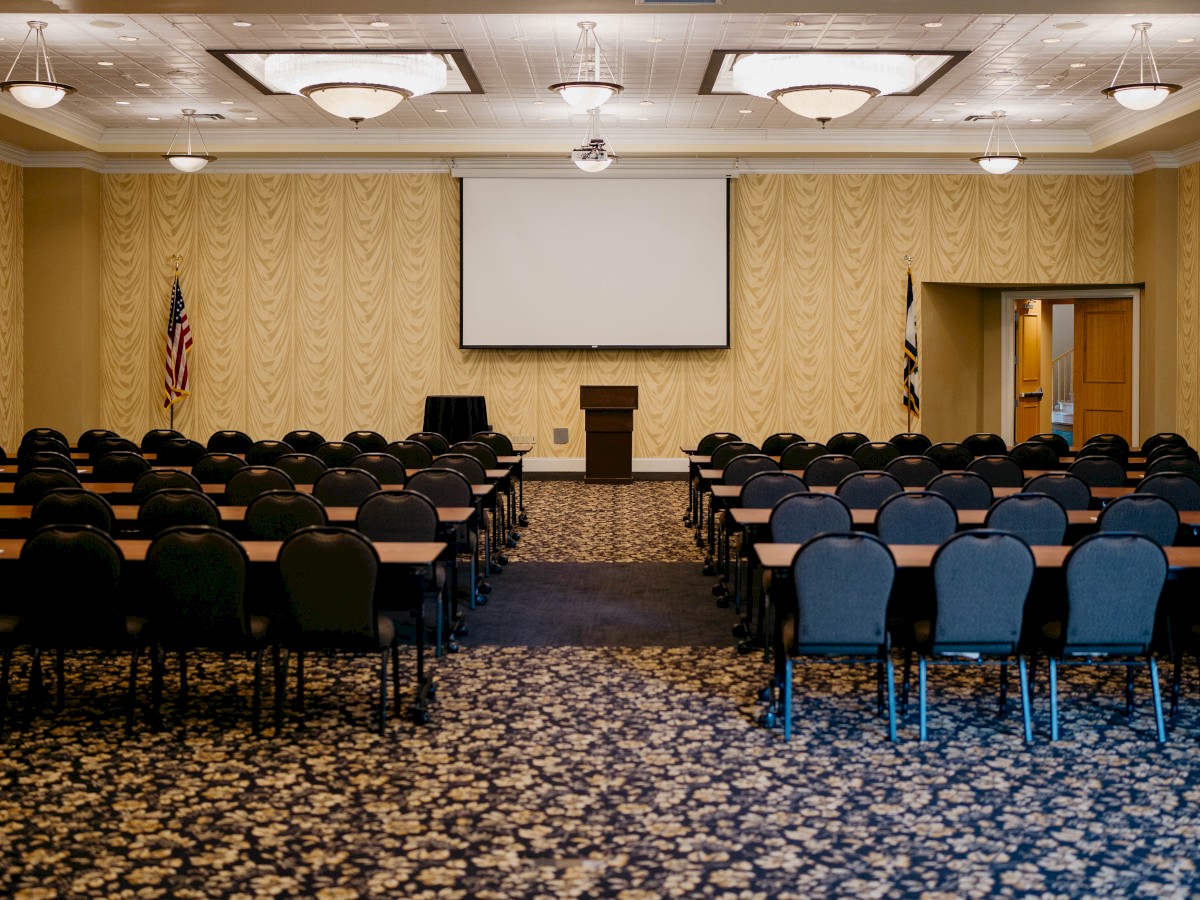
(455, 416)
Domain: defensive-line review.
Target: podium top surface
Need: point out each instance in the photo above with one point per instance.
(593, 396)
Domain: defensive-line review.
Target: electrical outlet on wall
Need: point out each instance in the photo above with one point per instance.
(523, 439)
(560, 435)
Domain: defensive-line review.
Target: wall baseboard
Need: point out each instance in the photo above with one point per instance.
(645, 465)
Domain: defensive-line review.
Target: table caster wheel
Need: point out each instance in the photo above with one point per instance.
(419, 717)
(740, 631)
(522, 521)
(484, 588)
(767, 720)
(502, 560)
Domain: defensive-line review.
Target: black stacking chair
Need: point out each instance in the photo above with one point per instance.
(344, 486)
(1114, 582)
(120, 466)
(1169, 451)
(837, 611)
(107, 445)
(89, 437)
(46, 433)
(180, 452)
(176, 506)
(302, 468)
(1034, 455)
(984, 443)
(481, 451)
(1182, 490)
(1109, 438)
(412, 454)
(1069, 490)
(998, 471)
(763, 490)
(196, 579)
(248, 483)
(710, 442)
(469, 466)
(500, 443)
(1149, 515)
(742, 468)
(42, 444)
(431, 439)
(868, 489)
(75, 603)
(33, 485)
(797, 456)
(950, 456)
(775, 444)
(981, 580)
(336, 454)
(217, 468)
(450, 487)
(798, 517)
(829, 470)
(911, 443)
(367, 441)
(965, 490)
(154, 439)
(385, 467)
(913, 471)
(1162, 438)
(229, 441)
(46, 459)
(1183, 465)
(264, 453)
(846, 442)
(1117, 452)
(72, 506)
(273, 515)
(1036, 519)
(916, 517)
(161, 479)
(735, 473)
(1098, 471)
(329, 576)
(876, 455)
(723, 453)
(1056, 442)
(302, 441)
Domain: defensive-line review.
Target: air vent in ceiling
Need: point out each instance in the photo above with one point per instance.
(979, 118)
(676, 2)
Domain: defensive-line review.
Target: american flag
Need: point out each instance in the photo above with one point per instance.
(179, 342)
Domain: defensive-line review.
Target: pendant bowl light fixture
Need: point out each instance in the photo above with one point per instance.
(41, 92)
(592, 82)
(189, 161)
(357, 86)
(823, 86)
(594, 154)
(1149, 90)
(994, 160)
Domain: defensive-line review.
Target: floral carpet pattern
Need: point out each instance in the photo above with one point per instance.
(632, 773)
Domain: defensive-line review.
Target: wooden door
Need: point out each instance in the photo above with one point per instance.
(1029, 375)
(1103, 370)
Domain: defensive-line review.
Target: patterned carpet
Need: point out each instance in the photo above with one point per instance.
(621, 772)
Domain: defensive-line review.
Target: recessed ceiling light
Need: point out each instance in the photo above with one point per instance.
(645, 103)
(1044, 84)
(539, 102)
(1037, 120)
(938, 119)
(1051, 40)
(933, 24)
(1078, 65)
(228, 102)
(378, 24)
(141, 84)
(1184, 40)
(744, 111)
(153, 119)
(654, 40)
(440, 109)
(795, 23)
(127, 38)
(122, 102)
(241, 24)
(251, 118)
(519, 38)
(1066, 103)
(1070, 26)
(241, 110)
(103, 23)
(960, 102)
(104, 62)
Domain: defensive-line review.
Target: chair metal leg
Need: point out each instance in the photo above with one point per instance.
(396, 675)
(157, 672)
(1003, 685)
(787, 698)
(281, 666)
(1176, 680)
(891, 698)
(1053, 699)
(1023, 674)
(1158, 710)
(921, 694)
(131, 710)
(906, 679)
(383, 686)
(1129, 691)
(256, 700)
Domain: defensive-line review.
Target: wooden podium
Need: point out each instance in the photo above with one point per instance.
(608, 423)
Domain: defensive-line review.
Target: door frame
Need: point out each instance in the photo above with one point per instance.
(1008, 347)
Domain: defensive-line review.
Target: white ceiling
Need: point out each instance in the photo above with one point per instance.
(1021, 63)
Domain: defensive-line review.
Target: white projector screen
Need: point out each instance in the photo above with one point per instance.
(595, 263)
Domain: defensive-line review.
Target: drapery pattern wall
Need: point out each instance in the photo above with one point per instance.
(1188, 299)
(331, 301)
(12, 305)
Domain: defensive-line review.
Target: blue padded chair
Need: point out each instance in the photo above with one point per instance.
(913, 471)
(965, 490)
(1036, 519)
(868, 489)
(911, 443)
(1069, 490)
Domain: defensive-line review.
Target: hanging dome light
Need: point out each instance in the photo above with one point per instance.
(594, 155)
(823, 86)
(40, 93)
(189, 161)
(357, 86)
(1149, 90)
(993, 161)
(588, 89)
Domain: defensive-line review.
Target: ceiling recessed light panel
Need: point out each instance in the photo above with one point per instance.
(928, 67)
(252, 65)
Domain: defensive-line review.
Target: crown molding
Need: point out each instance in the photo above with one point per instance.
(1130, 123)
(1186, 156)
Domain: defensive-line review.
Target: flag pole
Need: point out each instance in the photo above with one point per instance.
(908, 261)
(176, 260)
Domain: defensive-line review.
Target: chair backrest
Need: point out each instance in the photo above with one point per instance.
(800, 454)
(33, 484)
(876, 454)
(998, 471)
(1162, 438)
(710, 442)
(264, 453)
(52, 434)
(180, 452)
(217, 468)
(89, 438)
(964, 490)
(1035, 518)
(367, 441)
(431, 439)
(1068, 489)
(153, 439)
(797, 518)
(950, 456)
(1114, 582)
(1146, 514)
(916, 517)
(1098, 471)
(775, 444)
(981, 580)
(500, 443)
(846, 442)
(398, 516)
(984, 443)
(302, 468)
(481, 451)
(723, 453)
(913, 471)
(1166, 451)
(72, 506)
(248, 483)
(161, 479)
(742, 467)
(43, 444)
(196, 576)
(329, 576)
(829, 470)
(120, 465)
(412, 454)
(1183, 464)
(45, 459)
(763, 490)
(868, 489)
(467, 465)
(74, 574)
(1101, 448)
(229, 441)
(442, 487)
(343, 486)
(1181, 489)
(302, 440)
(336, 454)
(911, 443)
(385, 467)
(1034, 455)
(842, 583)
(1057, 442)
(107, 445)
(177, 506)
(1109, 438)
(273, 515)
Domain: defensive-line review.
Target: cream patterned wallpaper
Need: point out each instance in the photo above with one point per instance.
(1188, 299)
(12, 306)
(331, 301)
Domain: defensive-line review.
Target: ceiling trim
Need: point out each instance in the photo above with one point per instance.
(461, 64)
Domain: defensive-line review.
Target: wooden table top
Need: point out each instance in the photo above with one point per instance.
(408, 553)
(338, 515)
(920, 556)
(734, 491)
